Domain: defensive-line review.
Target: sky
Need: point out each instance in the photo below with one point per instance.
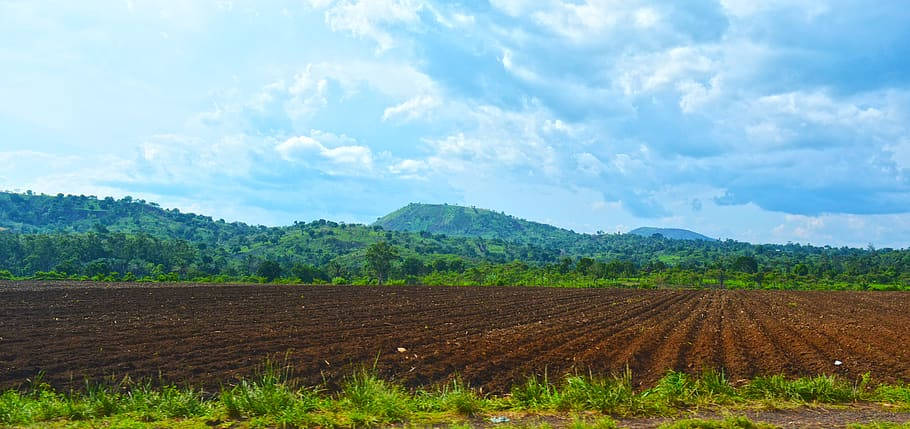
(768, 122)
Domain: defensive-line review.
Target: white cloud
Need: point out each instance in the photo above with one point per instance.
(900, 153)
(646, 17)
(695, 95)
(640, 73)
(370, 18)
(819, 107)
(310, 150)
(589, 164)
(411, 109)
(747, 8)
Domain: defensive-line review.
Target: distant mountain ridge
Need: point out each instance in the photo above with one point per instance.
(92, 236)
(24, 213)
(672, 233)
(470, 222)
(475, 222)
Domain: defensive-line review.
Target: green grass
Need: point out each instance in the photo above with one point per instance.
(364, 399)
(824, 389)
(729, 423)
(882, 425)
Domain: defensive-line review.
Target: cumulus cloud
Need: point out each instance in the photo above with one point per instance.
(589, 164)
(411, 109)
(702, 114)
(318, 151)
(370, 18)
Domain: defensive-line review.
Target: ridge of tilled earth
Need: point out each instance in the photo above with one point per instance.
(490, 337)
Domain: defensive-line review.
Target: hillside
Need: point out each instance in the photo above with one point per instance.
(34, 213)
(671, 233)
(83, 235)
(471, 222)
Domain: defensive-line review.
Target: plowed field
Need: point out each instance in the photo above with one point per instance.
(491, 337)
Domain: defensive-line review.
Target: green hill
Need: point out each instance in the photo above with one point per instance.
(471, 222)
(84, 235)
(672, 233)
(34, 213)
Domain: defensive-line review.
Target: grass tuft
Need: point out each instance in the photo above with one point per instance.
(534, 394)
(823, 388)
(371, 400)
(609, 395)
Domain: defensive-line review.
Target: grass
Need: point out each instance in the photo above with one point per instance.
(272, 400)
(728, 423)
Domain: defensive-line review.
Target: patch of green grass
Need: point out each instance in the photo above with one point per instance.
(454, 397)
(823, 388)
(609, 395)
(534, 394)
(148, 403)
(271, 400)
(369, 400)
(599, 423)
(879, 425)
(895, 394)
(729, 423)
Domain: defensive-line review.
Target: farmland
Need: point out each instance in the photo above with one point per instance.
(492, 338)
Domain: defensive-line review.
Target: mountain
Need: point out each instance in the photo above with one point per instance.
(673, 233)
(472, 222)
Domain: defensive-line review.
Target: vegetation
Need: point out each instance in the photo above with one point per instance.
(78, 237)
(271, 399)
(379, 259)
(674, 233)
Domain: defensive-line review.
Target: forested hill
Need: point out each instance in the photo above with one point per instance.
(472, 222)
(673, 233)
(88, 236)
(33, 213)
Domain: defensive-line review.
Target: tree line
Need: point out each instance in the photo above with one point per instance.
(118, 256)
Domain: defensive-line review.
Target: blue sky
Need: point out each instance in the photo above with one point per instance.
(769, 121)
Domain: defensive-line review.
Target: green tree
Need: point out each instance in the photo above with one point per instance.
(270, 270)
(379, 259)
(584, 265)
(745, 264)
(412, 266)
(306, 273)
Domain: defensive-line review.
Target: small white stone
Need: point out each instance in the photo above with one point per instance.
(838, 363)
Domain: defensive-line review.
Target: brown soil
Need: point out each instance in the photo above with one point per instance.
(208, 335)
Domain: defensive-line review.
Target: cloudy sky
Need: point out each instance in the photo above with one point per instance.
(768, 121)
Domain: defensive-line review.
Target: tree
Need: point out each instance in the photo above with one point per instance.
(379, 258)
(412, 266)
(583, 266)
(270, 270)
(745, 264)
(306, 273)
